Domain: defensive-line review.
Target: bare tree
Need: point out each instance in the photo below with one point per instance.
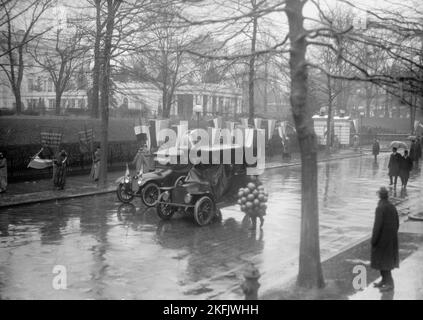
(17, 36)
(60, 58)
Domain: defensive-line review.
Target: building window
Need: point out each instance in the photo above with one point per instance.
(81, 103)
(51, 104)
(50, 85)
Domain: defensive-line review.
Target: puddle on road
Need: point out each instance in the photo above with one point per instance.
(115, 251)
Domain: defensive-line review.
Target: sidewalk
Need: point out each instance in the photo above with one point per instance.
(77, 186)
(339, 274)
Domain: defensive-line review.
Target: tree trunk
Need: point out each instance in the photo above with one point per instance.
(58, 102)
(329, 121)
(310, 269)
(105, 93)
(97, 63)
(18, 101)
(251, 73)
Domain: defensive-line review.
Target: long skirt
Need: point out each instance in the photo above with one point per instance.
(59, 178)
(3, 182)
(95, 171)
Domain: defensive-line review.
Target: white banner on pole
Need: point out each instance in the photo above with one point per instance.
(271, 127)
(257, 123)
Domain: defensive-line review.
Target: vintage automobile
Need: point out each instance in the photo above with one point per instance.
(204, 188)
(147, 185)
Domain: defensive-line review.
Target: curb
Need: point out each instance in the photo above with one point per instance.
(111, 189)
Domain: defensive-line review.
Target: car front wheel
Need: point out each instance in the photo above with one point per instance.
(204, 211)
(123, 195)
(164, 209)
(150, 194)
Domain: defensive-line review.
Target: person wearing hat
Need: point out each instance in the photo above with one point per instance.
(376, 148)
(405, 168)
(384, 241)
(394, 166)
(95, 169)
(3, 173)
(413, 152)
(59, 177)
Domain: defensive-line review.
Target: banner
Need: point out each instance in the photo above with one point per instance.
(271, 123)
(281, 131)
(217, 122)
(257, 123)
(416, 124)
(86, 139)
(355, 122)
(51, 139)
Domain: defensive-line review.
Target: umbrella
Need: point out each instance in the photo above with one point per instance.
(398, 145)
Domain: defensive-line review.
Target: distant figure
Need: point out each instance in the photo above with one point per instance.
(59, 177)
(286, 150)
(418, 150)
(356, 142)
(95, 169)
(384, 242)
(3, 173)
(394, 166)
(376, 149)
(414, 153)
(405, 168)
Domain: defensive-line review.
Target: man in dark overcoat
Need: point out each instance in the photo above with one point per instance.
(375, 148)
(394, 166)
(384, 242)
(405, 168)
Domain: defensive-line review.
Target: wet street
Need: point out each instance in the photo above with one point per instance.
(115, 251)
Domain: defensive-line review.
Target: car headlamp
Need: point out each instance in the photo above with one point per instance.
(188, 198)
(165, 196)
(126, 180)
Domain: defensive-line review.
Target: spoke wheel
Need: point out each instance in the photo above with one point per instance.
(150, 194)
(122, 194)
(164, 209)
(204, 211)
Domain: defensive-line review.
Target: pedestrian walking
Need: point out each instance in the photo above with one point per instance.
(384, 242)
(95, 169)
(376, 149)
(394, 166)
(59, 177)
(3, 173)
(405, 168)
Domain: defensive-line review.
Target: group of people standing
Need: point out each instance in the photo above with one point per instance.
(400, 165)
(60, 163)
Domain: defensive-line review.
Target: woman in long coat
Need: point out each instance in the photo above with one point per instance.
(384, 242)
(95, 169)
(59, 178)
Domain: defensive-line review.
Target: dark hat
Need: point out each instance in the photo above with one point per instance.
(383, 193)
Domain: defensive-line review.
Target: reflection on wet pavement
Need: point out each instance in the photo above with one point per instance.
(115, 251)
